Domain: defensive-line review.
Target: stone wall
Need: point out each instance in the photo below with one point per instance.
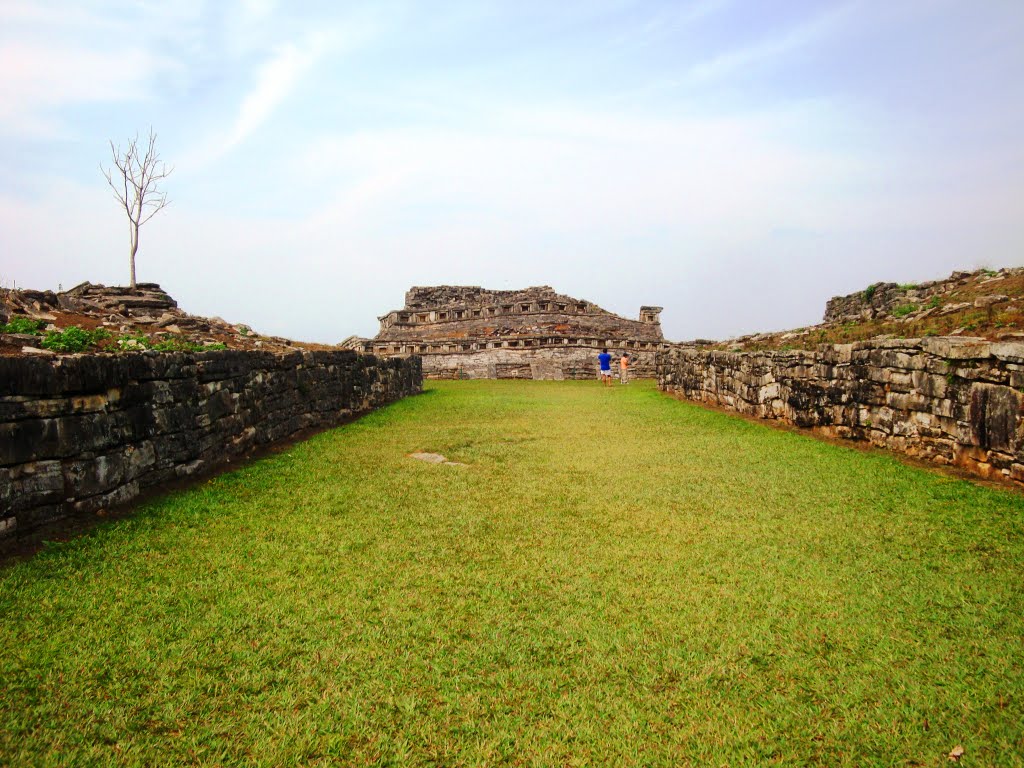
(951, 400)
(87, 432)
(540, 362)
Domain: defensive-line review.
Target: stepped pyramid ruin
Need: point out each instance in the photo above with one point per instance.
(534, 333)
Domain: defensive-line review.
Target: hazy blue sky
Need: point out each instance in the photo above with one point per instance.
(736, 161)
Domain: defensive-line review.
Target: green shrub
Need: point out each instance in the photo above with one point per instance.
(870, 291)
(22, 325)
(166, 343)
(908, 286)
(73, 339)
(130, 342)
(905, 310)
(179, 344)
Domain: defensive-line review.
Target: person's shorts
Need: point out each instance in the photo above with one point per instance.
(606, 371)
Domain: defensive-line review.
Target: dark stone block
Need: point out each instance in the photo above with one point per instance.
(289, 361)
(224, 364)
(89, 477)
(178, 418)
(220, 404)
(177, 448)
(29, 376)
(994, 416)
(29, 440)
(34, 484)
(12, 409)
(87, 432)
(149, 366)
(138, 423)
(93, 373)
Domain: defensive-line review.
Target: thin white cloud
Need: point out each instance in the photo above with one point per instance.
(274, 82)
(672, 19)
(807, 33)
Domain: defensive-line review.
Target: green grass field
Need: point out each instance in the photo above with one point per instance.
(614, 578)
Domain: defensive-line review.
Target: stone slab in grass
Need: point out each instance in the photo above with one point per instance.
(434, 458)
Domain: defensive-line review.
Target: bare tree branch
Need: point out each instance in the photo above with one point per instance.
(135, 180)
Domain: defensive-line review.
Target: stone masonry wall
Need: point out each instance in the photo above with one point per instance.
(86, 432)
(951, 400)
(550, 363)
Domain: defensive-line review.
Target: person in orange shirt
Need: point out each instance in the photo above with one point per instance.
(624, 369)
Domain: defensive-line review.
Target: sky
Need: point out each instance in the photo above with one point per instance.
(737, 162)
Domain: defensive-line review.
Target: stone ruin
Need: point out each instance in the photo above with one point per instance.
(469, 332)
(881, 300)
(145, 311)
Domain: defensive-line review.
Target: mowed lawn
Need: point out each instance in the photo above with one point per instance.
(612, 578)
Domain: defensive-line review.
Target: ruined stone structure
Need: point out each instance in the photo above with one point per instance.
(950, 400)
(881, 300)
(536, 333)
(146, 312)
(83, 433)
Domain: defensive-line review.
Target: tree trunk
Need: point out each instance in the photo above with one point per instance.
(131, 257)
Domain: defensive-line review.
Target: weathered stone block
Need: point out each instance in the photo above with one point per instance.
(33, 484)
(900, 344)
(898, 360)
(950, 348)
(929, 384)
(28, 376)
(14, 408)
(1010, 351)
(100, 474)
(908, 401)
(114, 498)
(995, 416)
(28, 440)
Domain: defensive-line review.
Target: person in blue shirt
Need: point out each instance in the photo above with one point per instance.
(606, 367)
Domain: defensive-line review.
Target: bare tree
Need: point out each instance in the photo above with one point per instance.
(135, 179)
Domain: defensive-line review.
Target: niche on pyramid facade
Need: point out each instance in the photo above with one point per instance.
(534, 333)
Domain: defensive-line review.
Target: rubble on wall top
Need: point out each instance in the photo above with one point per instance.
(439, 296)
(132, 317)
